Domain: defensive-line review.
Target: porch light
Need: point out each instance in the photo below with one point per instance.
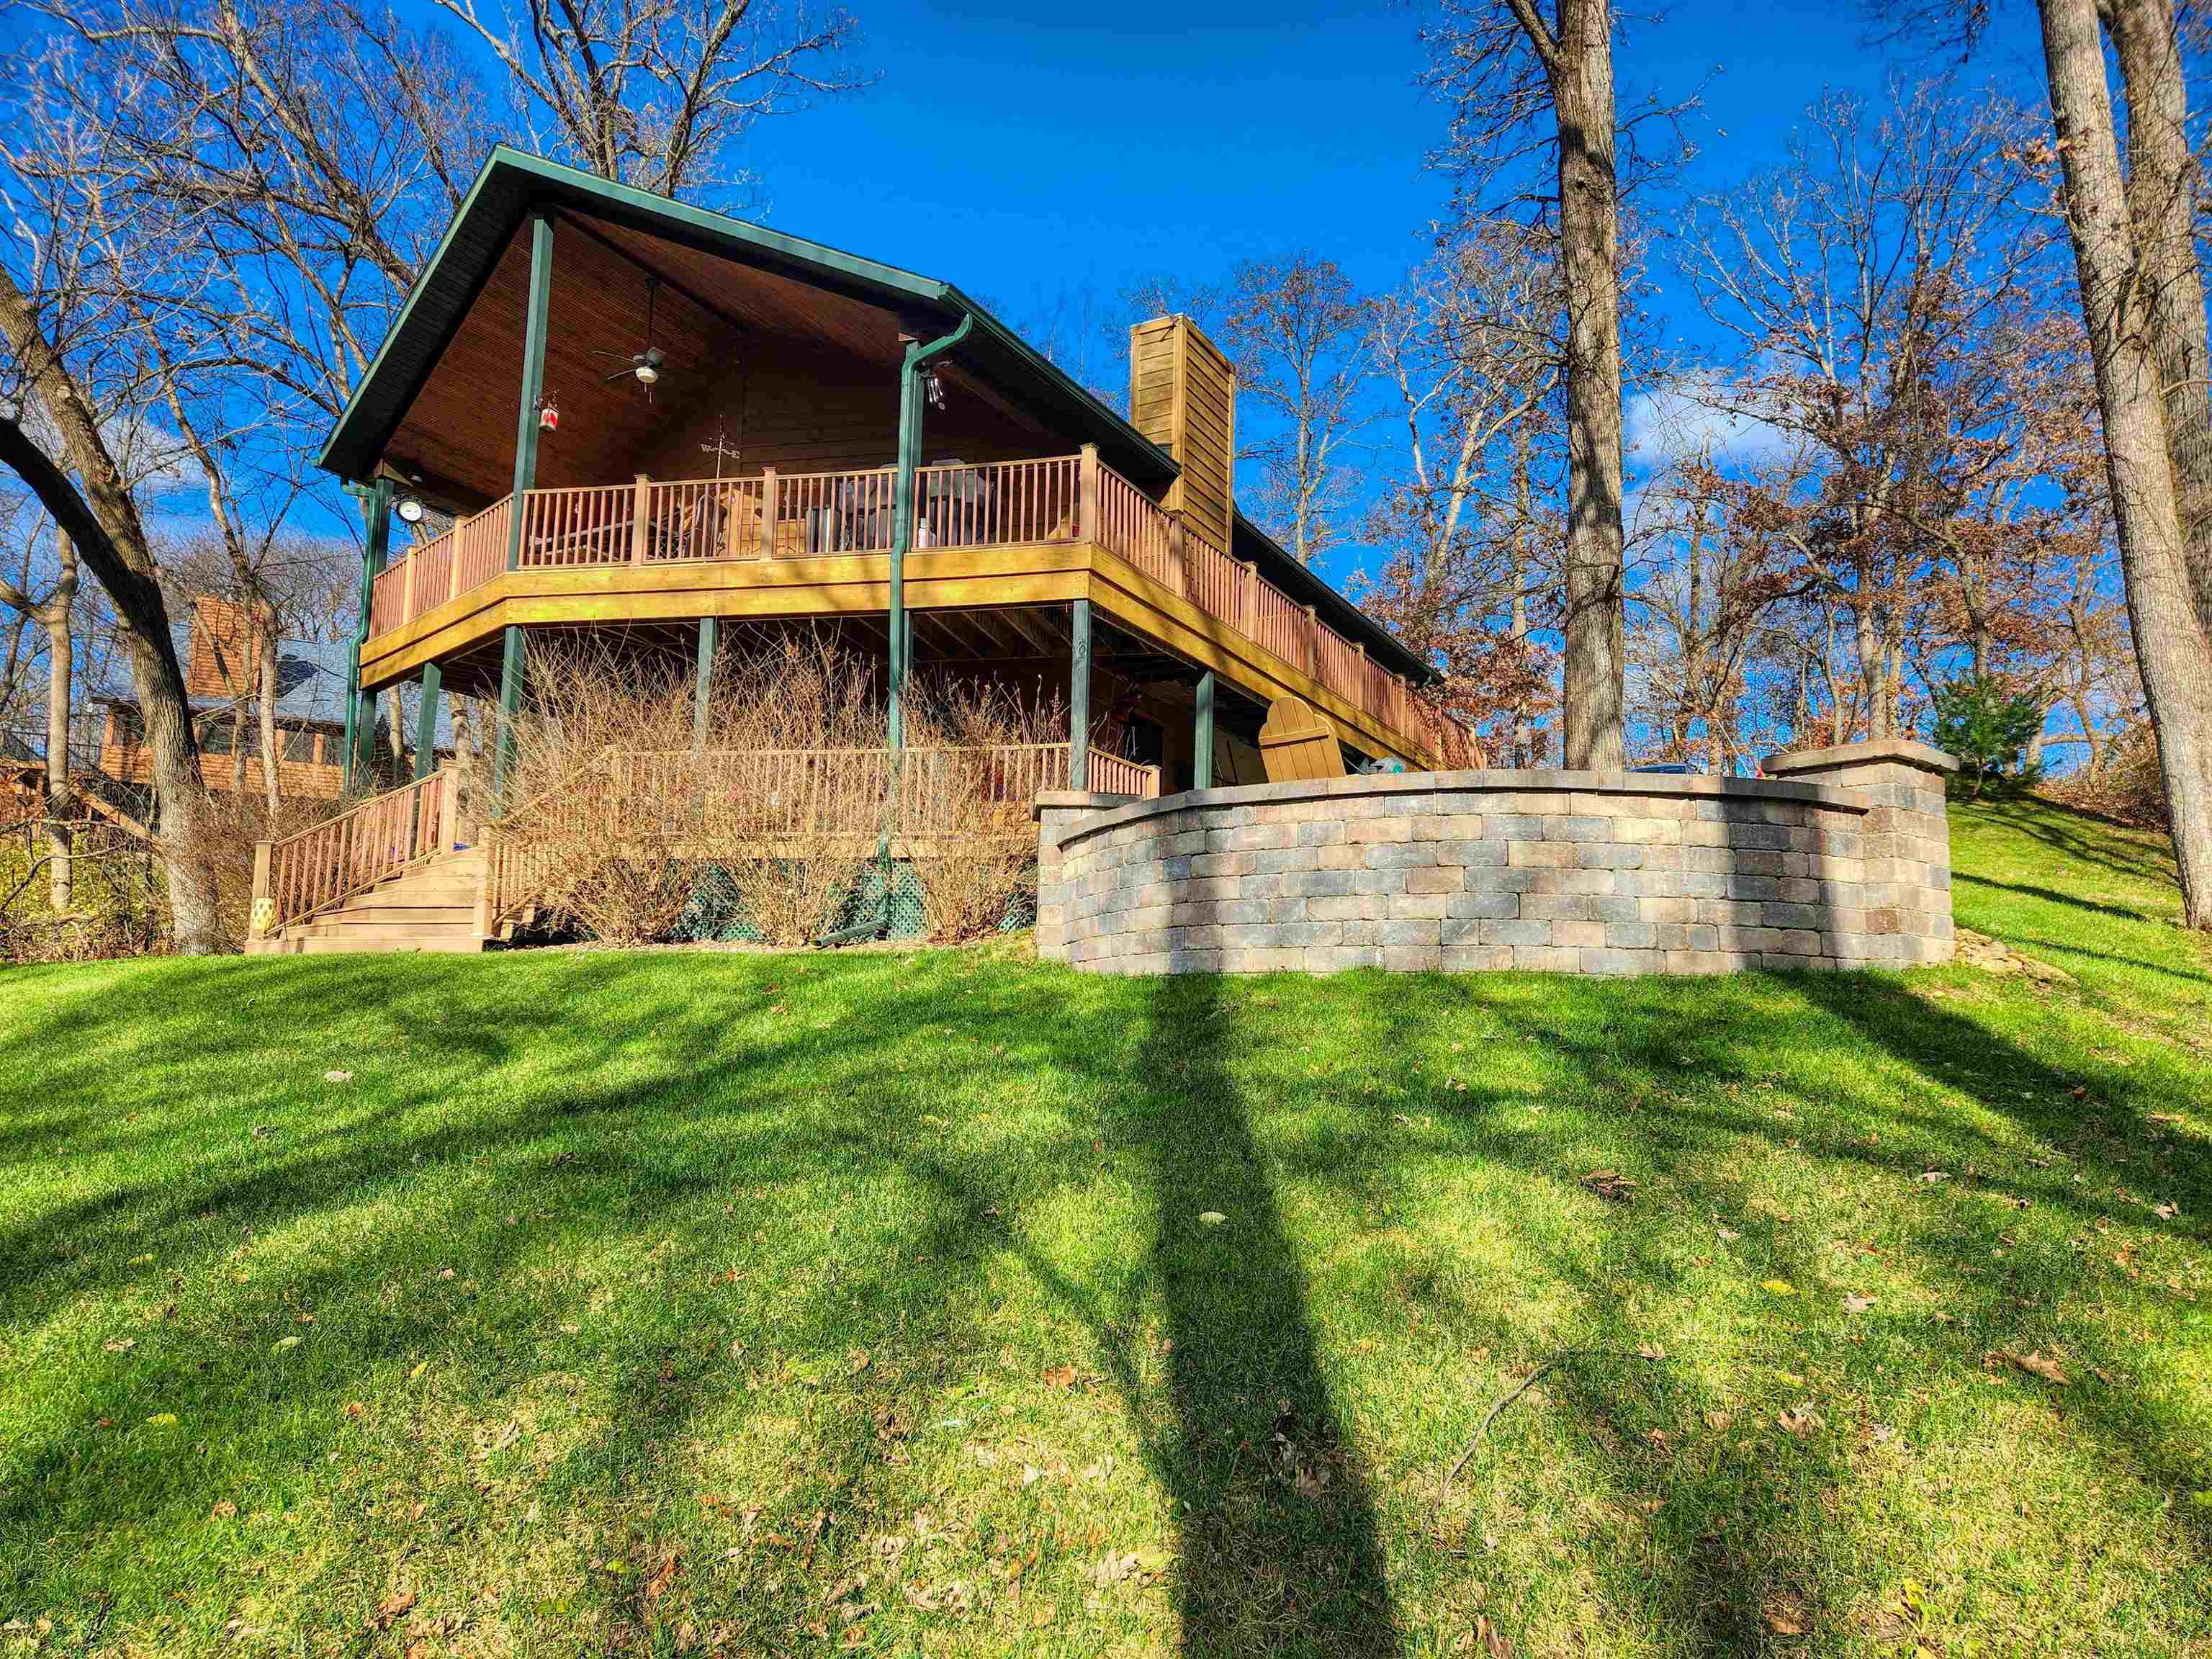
(409, 509)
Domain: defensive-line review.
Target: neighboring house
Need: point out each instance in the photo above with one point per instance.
(221, 659)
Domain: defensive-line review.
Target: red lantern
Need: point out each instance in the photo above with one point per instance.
(549, 416)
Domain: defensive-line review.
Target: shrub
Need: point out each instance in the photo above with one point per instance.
(1988, 726)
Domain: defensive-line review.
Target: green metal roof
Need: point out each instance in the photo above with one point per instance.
(514, 184)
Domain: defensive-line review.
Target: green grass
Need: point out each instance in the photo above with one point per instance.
(666, 1302)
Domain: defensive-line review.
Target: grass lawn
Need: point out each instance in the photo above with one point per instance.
(914, 1303)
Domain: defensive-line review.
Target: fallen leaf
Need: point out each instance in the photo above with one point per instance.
(121, 1345)
(2165, 1212)
(162, 1420)
(1211, 1217)
(415, 1376)
(1059, 1377)
(1779, 1286)
(394, 1606)
(1784, 1617)
(2037, 1365)
(1801, 1419)
(856, 1360)
(284, 1342)
(662, 1578)
(223, 1510)
(1728, 1234)
(337, 1077)
(1610, 1185)
(1044, 1616)
(1854, 1302)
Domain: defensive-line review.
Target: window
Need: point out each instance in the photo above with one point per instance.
(299, 744)
(215, 736)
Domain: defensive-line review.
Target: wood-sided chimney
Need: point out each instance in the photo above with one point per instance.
(1182, 396)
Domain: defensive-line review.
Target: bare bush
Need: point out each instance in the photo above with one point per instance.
(968, 878)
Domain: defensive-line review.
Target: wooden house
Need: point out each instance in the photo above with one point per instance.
(601, 410)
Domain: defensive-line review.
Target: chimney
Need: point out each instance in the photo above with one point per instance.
(225, 660)
(1182, 396)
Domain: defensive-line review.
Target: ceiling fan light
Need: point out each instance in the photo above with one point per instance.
(648, 374)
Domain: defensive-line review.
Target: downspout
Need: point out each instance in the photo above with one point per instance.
(911, 404)
(376, 511)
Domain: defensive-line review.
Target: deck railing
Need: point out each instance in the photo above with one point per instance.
(304, 874)
(724, 801)
(993, 504)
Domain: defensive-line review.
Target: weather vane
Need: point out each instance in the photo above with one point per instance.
(720, 448)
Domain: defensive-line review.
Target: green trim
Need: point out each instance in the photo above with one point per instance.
(1078, 695)
(533, 380)
(703, 682)
(359, 732)
(1201, 744)
(512, 665)
(426, 721)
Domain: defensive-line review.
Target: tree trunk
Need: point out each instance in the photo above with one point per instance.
(1581, 92)
(271, 790)
(110, 537)
(61, 875)
(2161, 184)
(2171, 647)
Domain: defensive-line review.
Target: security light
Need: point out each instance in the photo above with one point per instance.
(409, 509)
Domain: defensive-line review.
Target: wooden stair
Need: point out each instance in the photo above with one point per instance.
(429, 906)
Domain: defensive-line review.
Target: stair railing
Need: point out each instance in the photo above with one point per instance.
(328, 863)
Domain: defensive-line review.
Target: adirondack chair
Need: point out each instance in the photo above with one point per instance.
(1296, 743)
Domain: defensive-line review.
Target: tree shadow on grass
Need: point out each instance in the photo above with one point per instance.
(1280, 1553)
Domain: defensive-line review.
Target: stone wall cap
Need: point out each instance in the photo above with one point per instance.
(1904, 752)
(1112, 811)
(1084, 800)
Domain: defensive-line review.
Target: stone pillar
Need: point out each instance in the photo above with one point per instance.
(1906, 836)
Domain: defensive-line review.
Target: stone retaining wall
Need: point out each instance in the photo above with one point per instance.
(1840, 858)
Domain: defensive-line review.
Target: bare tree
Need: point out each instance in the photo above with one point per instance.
(2119, 283)
(1519, 81)
(1297, 330)
(52, 611)
(654, 93)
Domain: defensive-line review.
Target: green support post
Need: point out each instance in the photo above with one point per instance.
(708, 628)
(533, 379)
(360, 710)
(911, 402)
(1078, 695)
(1201, 742)
(510, 708)
(426, 721)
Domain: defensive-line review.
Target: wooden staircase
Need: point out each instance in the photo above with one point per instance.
(429, 906)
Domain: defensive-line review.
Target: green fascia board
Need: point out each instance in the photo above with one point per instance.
(514, 183)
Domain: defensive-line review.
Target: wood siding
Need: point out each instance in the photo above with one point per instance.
(1182, 395)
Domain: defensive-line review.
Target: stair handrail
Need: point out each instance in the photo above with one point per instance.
(317, 868)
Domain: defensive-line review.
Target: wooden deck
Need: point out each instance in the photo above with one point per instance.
(1001, 536)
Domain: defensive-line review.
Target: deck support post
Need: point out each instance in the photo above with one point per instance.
(1078, 695)
(912, 395)
(426, 721)
(533, 382)
(709, 629)
(510, 708)
(359, 710)
(1201, 740)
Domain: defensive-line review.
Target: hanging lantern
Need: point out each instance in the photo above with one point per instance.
(548, 416)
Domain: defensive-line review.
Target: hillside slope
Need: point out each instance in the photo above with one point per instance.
(904, 1303)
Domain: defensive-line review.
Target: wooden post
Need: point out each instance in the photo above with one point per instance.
(454, 563)
(426, 721)
(407, 587)
(769, 506)
(703, 690)
(1201, 745)
(510, 707)
(1175, 571)
(360, 707)
(265, 908)
(641, 504)
(1086, 496)
(1078, 695)
(533, 380)
(1249, 610)
(449, 809)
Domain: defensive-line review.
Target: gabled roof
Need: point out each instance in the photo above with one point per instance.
(514, 184)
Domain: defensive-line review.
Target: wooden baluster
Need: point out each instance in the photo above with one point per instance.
(769, 506)
(640, 514)
(1087, 527)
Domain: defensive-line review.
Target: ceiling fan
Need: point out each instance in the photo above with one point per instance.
(644, 366)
